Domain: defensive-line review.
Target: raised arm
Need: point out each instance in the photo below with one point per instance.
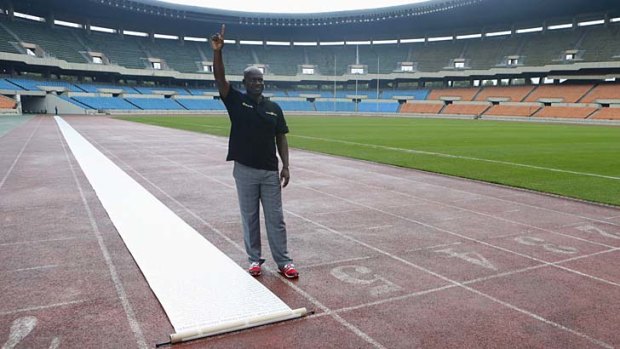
(217, 44)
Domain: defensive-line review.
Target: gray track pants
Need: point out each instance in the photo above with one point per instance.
(254, 186)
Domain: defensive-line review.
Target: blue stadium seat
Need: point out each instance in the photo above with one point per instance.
(201, 104)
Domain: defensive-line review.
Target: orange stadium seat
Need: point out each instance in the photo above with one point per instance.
(607, 114)
(513, 93)
(465, 109)
(565, 93)
(512, 110)
(7, 103)
(566, 112)
(465, 94)
(602, 92)
(422, 108)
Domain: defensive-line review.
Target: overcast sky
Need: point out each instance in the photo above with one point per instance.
(293, 6)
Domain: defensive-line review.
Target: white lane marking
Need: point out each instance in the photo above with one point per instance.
(460, 284)
(19, 155)
(40, 241)
(476, 212)
(432, 247)
(413, 151)
(118, 285)
(40, 307)
(337, 262)
(454, 189)
(304, 294)
(55, 344)
(20, 329)
(379, 227)
(470, 238)
(31, 268)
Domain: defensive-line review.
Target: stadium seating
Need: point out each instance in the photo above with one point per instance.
(510, 93)
(289, 105)
(466, 108)
(155, 103)
(607, 114)
(7, 85)
(602, 92)
(103, 103)
(61, 43)
(201, 104)
(337, 106)
(7, 103)
(422, 108)
(281, 60)
(375, 106)
(523, 109)
(462, 94)
(416, 94)
(94, 88)
(547, 48)
(572, 112)
(600, 44)
(122, 50)
(563, 93)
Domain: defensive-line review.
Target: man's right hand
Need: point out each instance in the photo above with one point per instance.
(217, 40)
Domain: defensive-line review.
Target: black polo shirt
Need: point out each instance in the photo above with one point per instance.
(253, 129)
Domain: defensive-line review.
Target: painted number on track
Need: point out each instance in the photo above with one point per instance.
(362, 276)
(21, 328)
(592, 229)
(534, 241)
(470, 257)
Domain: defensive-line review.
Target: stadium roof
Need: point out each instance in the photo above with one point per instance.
(419, 19)
(286, 6)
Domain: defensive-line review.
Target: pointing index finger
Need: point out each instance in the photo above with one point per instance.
(222, 30)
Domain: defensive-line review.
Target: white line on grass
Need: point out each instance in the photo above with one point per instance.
(423, 152)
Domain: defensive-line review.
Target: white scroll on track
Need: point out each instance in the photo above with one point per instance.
(202, 290)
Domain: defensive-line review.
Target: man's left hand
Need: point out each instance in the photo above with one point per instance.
(284, 177)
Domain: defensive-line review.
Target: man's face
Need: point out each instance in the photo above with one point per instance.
(253, 81)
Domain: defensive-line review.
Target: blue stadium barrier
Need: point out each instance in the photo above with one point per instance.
(330, 105)
(94, 88)
(374, 107)
(295, 105)
(155, 103)
(416, 94)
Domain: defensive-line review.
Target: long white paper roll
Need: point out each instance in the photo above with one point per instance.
(236, 325)
(202, 290)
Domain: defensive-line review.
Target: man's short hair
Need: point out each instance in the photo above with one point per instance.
(251, 68)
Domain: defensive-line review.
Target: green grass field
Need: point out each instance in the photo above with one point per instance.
(579, 161)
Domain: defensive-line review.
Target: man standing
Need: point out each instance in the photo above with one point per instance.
(257, 129)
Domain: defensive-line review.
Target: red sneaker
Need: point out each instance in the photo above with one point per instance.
(254, 269)
(289, 271)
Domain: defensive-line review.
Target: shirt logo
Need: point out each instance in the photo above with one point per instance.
(271, 113)
(246, 105)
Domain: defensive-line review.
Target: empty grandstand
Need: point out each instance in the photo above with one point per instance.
(152, 56)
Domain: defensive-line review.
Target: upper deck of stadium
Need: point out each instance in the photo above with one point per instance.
(439, 17)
